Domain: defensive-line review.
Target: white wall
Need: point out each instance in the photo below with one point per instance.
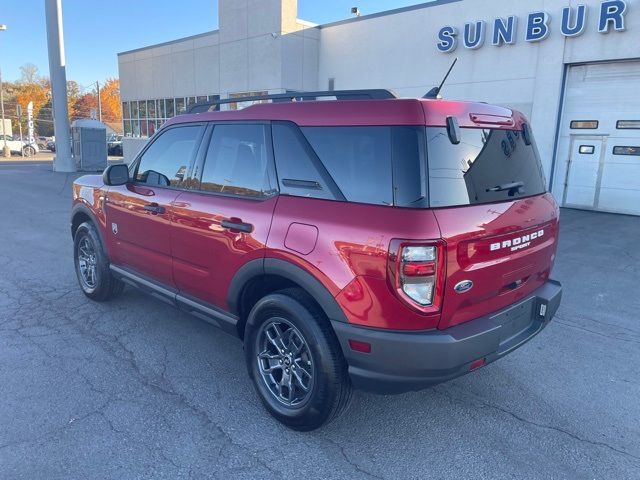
(398, 51)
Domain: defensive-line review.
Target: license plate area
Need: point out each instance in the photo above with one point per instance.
(517, 324)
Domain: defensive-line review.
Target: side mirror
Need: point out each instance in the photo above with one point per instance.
(116, 175)
(526, 134)
(453, 130)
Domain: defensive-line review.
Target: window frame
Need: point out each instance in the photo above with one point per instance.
(195, 173)
(619, 122)
(616, 147)
(133, 168)
(571, 127)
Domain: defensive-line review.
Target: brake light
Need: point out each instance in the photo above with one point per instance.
(417, 273)
(417, 277)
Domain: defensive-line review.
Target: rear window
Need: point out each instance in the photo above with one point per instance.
(488, 165)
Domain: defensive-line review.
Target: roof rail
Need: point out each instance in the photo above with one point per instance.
(374, 94)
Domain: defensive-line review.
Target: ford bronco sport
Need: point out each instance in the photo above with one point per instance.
(369, 241)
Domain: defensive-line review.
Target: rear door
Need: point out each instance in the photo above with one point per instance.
(499, 224)
(224, 220)
(139, 213)
(583, 175)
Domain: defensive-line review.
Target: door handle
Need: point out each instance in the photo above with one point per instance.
(154, 208)
(236, 225)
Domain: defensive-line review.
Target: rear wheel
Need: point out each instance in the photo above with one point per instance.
(92, 266)
(295, 361)
(28, 151)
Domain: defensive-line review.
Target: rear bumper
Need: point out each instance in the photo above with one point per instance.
(406, 361)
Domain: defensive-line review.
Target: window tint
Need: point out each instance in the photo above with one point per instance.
(584, 125)
(628, 124)
(487, 166)
(297, 173)
(358, 159)
(237, 161)
(166, 160)
(626, 151)
(409, 167)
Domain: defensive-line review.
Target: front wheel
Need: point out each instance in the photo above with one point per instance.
(295, 361)
(92, 266)
(28, 151)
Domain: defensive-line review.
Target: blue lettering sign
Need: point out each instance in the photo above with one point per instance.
(504, 33)
(477, 39)
(447, 37)
(612, 12)
(577, 28)
(537, 27)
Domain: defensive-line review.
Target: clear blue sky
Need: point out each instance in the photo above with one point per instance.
(95, 30)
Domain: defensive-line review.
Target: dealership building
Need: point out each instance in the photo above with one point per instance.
(573, 68)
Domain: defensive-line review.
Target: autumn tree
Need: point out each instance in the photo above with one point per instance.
(110, 97)
(31, 88)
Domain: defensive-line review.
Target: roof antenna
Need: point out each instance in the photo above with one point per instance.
(435, 91)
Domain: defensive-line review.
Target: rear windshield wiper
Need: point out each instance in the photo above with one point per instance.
(513, 188)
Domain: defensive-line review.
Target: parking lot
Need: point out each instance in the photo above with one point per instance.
(136, 389)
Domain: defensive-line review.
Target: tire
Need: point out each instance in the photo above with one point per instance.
(312, 353)
(89, 255)
(28, 151)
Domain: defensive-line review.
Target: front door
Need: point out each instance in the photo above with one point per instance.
(139, 213)
(583, 172)
(224, 222)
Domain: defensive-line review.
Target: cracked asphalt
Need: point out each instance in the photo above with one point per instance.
(134, 389)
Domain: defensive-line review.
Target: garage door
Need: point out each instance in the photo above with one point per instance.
(598, 164)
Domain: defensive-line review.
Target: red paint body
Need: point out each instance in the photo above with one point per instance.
(348, 247)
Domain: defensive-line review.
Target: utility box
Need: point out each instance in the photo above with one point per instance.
(89, 145)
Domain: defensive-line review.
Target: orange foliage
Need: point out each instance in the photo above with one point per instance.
(38, 93)
(110, 96)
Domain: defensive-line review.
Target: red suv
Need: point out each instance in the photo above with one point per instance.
(368, 241)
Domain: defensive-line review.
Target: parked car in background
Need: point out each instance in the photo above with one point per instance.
(19, 146)
(114, 145)
(51, 145)
(42, 142)
(367, 242)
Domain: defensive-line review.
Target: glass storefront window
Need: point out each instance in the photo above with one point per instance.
(162, 111)
(180, 106)
(202, 98)
(170, 105)
(144, 130)
(125, 110)
(151, 108)
(134, 109)
(127, 128)
(142, 108)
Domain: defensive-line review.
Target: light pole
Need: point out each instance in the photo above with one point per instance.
(57, 73)
(6, 151)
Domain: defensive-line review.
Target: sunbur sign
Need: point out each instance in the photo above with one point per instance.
(537, 28)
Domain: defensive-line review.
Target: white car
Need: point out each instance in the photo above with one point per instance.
(19, 146)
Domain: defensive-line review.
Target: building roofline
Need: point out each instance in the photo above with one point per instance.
(434, 3)
(170, 42)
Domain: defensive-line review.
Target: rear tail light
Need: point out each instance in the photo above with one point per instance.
(417, 274)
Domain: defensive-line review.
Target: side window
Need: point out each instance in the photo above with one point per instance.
(167, 159)
(297, 173)
(358, 159)
(237, 161)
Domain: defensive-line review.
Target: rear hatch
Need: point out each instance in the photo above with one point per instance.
(499, 224)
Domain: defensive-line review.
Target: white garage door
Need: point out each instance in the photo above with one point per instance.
(599, 151)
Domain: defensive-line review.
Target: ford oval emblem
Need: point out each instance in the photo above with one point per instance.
(463, 286)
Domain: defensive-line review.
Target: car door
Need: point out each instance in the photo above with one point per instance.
(223, 223)
(139, 213)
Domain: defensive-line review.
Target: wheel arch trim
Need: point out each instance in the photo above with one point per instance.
(282, 268)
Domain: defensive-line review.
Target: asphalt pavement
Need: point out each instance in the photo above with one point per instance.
(134, 389)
